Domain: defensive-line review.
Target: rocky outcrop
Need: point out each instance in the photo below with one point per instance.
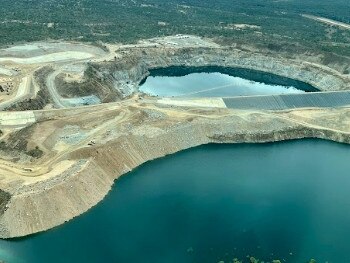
(51, 172)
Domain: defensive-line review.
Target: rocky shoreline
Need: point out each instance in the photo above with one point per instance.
(83, 151)
(126, 74)
(50, 204)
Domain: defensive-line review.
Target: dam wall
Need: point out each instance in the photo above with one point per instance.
(290, 101)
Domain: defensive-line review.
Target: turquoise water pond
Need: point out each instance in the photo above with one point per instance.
(218, 82)
(287, 200)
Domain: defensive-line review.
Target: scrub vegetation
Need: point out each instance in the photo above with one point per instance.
(92, 84)
(276, 25)
(17, 145)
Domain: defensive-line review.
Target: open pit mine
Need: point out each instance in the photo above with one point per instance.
(73, 118)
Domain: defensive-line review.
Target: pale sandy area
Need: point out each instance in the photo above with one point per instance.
(7, 72)
(22, 91)
(205, 102)
(328, 21)
(60, 56)
(27, 47)
(16, 118)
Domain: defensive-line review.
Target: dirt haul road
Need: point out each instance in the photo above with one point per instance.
(23, 92)
(86, 149)
(57, 163)
(33, 56)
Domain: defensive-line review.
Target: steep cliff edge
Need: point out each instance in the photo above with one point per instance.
(125, 73)
(82, 173)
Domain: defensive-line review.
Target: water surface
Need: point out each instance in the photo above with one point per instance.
(286, 200)
(218, 82)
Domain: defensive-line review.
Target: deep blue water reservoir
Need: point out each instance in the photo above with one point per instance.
(287, 201)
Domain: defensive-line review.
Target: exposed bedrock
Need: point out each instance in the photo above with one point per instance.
(126, 73)
(59, 199)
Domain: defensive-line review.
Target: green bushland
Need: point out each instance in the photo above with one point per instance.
(282, 25)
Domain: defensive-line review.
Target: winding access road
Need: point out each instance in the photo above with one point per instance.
(24, 91)
(40, 54)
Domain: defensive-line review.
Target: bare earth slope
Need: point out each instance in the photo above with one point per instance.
(85, 150)
(59, 161)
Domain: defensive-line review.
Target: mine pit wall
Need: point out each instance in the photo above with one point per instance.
(41, 209)
(321, 77)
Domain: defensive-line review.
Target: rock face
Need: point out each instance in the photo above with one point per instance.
(84, 150)
(127, 73)
(147, 134)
